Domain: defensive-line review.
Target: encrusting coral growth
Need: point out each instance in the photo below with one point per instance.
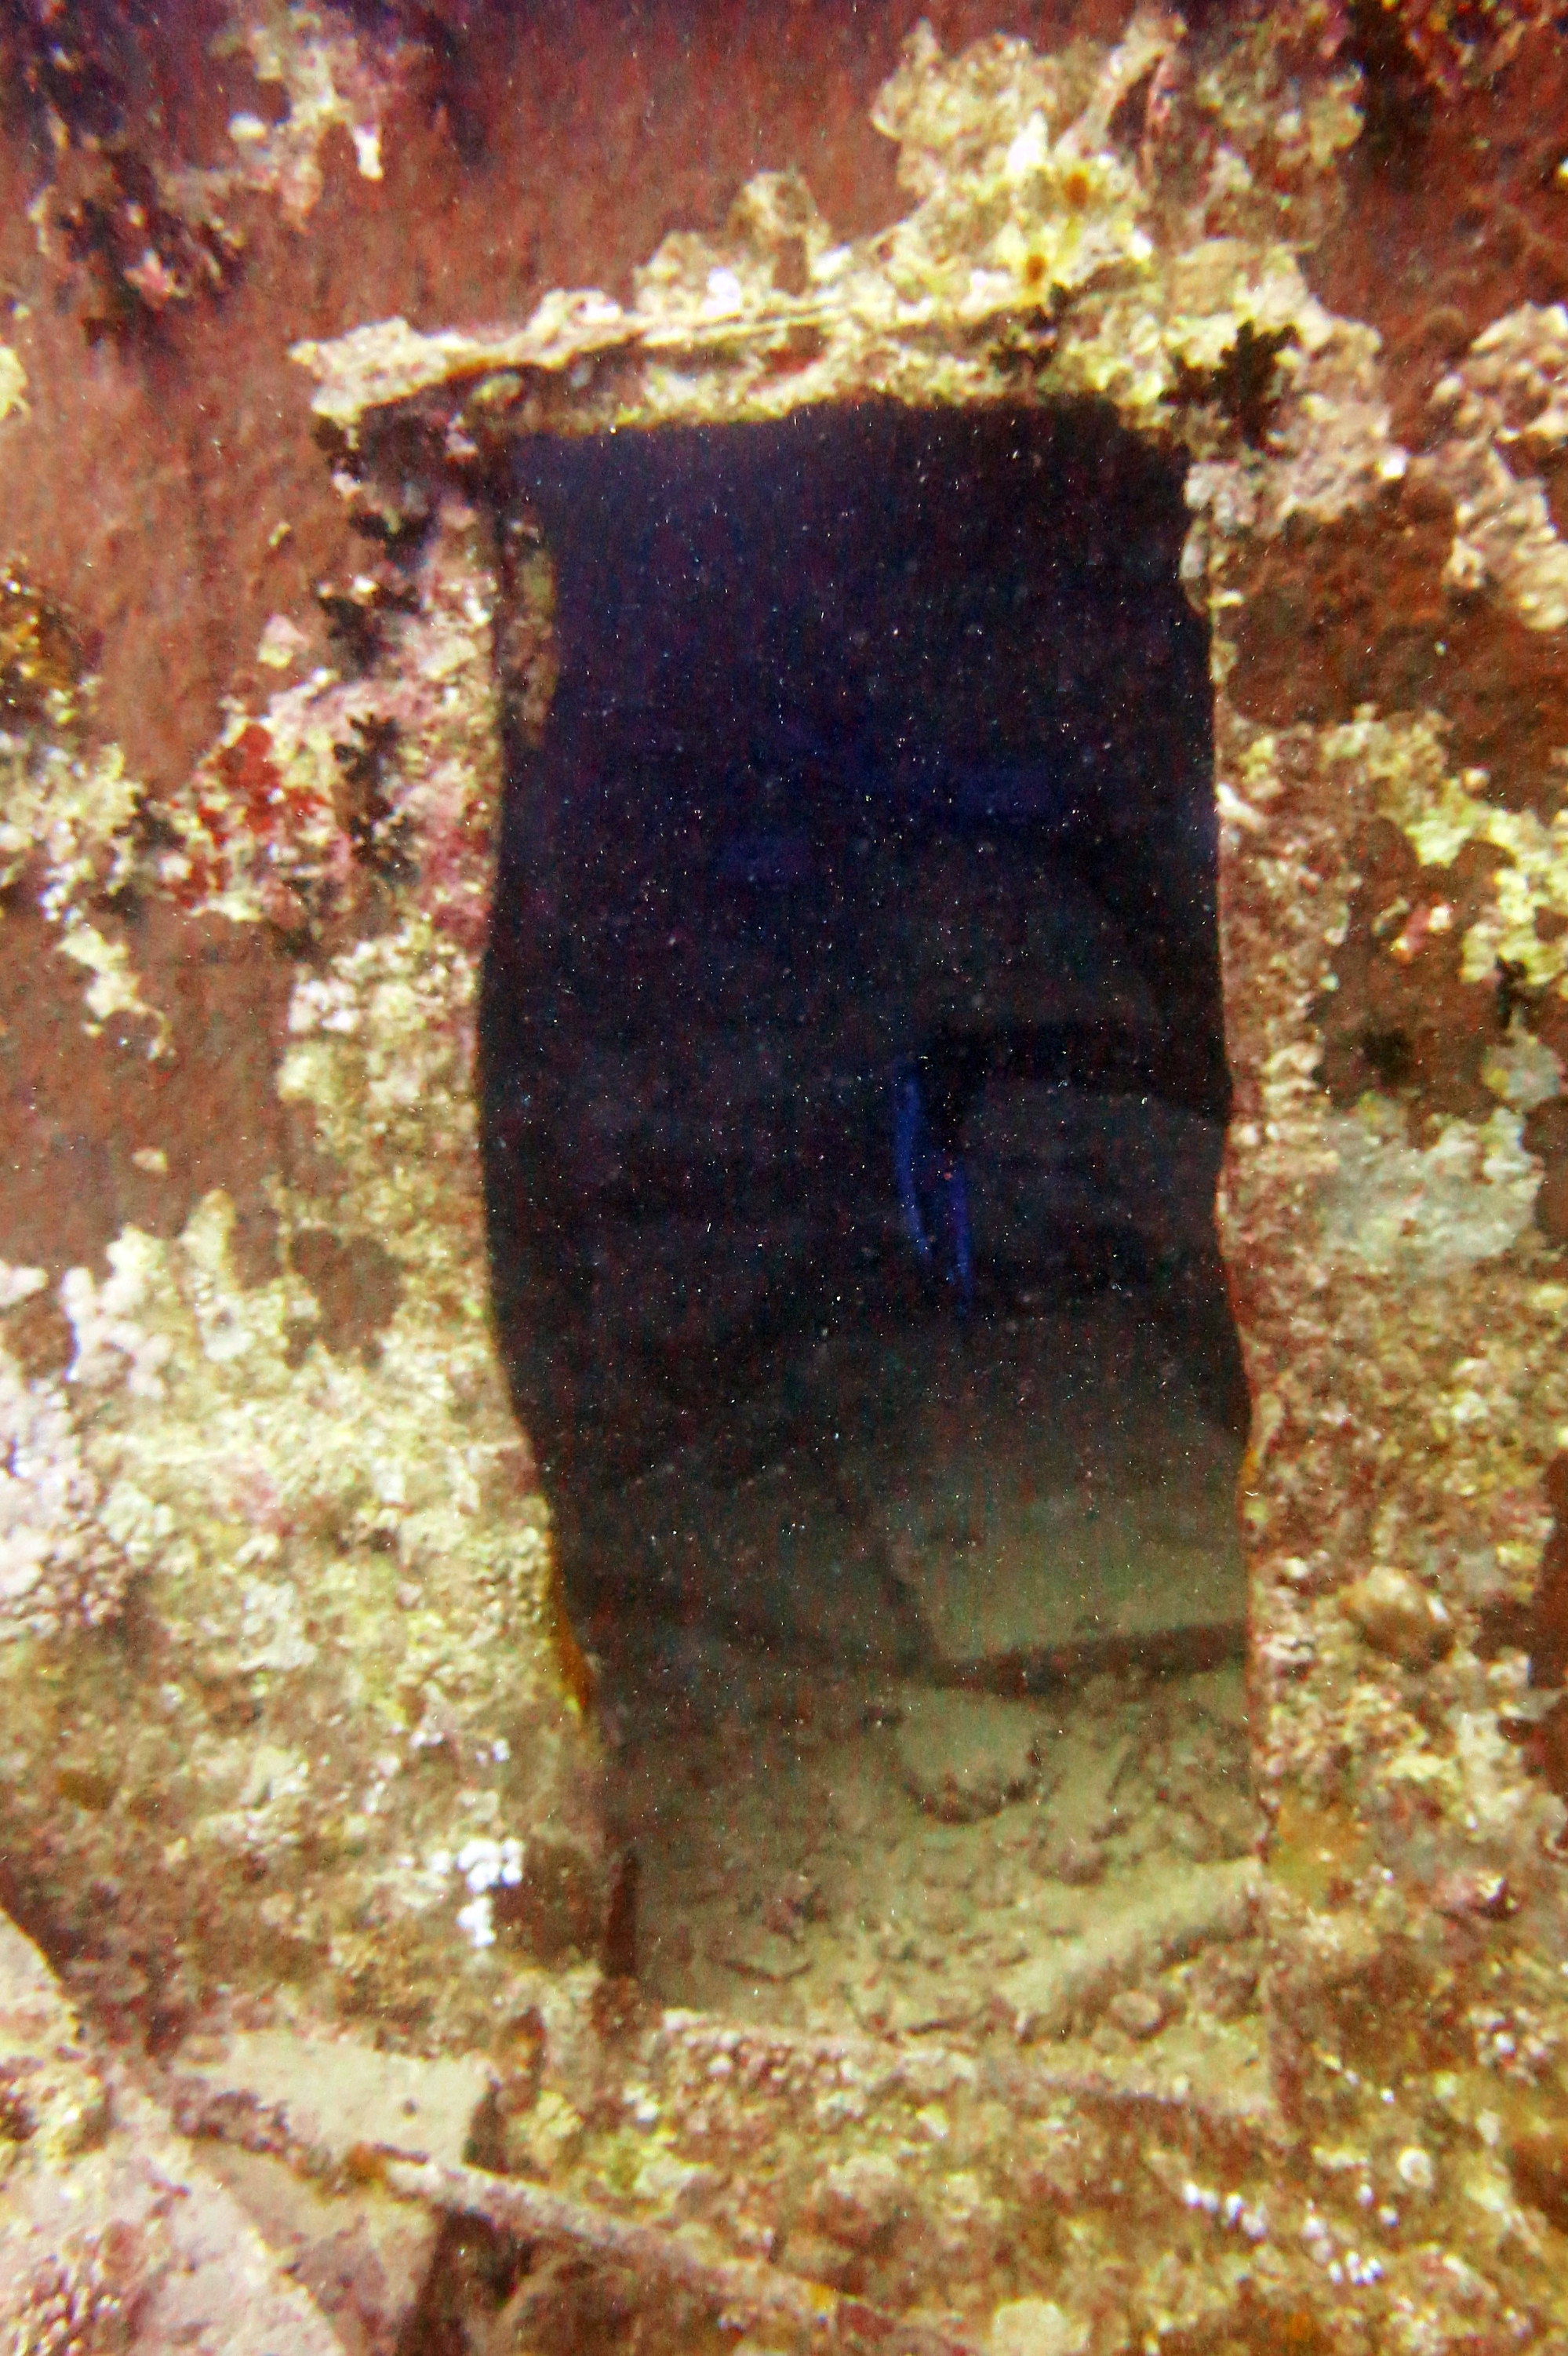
(309, 1487)
(283, 1690)
(138, 234)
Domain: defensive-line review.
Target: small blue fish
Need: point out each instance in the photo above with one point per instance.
(933, 1189)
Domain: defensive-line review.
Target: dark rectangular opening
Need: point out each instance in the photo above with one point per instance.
(854, 1078)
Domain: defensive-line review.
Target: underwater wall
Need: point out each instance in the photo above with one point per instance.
(299, 1752)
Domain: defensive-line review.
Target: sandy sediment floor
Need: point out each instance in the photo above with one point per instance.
(1032, 1829)
(1016, 1491)
(833, 1851)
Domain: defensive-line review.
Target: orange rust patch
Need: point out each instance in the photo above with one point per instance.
(38, 654)
(572, 1665)
(1317, 1851)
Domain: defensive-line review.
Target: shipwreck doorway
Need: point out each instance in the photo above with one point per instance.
(854, 1090)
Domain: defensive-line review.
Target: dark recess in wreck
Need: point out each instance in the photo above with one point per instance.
(881, 743)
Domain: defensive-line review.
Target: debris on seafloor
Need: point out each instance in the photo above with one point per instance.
(671, 2154)
(748, 2297)
(112, 2232)
(964, 1755)
(814, 1846)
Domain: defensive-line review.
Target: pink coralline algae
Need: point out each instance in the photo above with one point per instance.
(59, 1569)
(346, 786)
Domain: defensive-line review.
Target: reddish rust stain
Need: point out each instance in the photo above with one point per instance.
(1546, 1134)
(1454, 216)
(1547, 1642)
(1404, 1019)
(147, 485)
(1537, 2162)
(74, 1111)
(1545, 1748)
(1355, 612)
(167, 489)
(358, 1285)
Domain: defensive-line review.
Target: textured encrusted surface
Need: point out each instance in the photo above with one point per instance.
(281, 1506)
(1138, 223)
(112, 2236)
(1401, 1303)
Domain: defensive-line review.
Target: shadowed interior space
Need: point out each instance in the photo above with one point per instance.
(853, 1076)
